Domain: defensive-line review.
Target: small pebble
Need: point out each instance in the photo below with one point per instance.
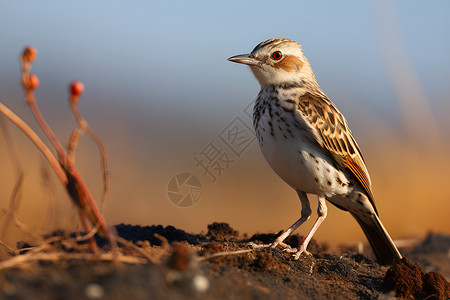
(94, 291)
(200, 283)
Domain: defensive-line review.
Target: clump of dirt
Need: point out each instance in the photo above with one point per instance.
(258, 260)
(136, 233)
(181, 258)
(211, 248)
(404, 278)
(410, 280)
(265, 238)
(434, 284)
(221, 231)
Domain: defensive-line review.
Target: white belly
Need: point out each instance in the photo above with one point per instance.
(298, 160)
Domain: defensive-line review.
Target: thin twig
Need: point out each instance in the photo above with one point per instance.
(15, 191)
(91, 210)
(31, 101)
(13, 203)
(90, 234)
(133, 246)
(19, 260)
(53, 217)
(225, 253)
(84, 127)
(87, 229)
(46, 128)
(7, 248)
(12, 150)
(22, 226)
(36, 140)
(76, 135)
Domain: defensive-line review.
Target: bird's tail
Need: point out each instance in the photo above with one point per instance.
(382, 244)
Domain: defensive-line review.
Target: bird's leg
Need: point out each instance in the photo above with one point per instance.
(321, 215)
(306, 213)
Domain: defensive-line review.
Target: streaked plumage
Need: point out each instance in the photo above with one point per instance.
(308, 143)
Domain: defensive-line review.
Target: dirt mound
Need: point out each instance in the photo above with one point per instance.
(136, 233)
(410, 280)
(221, 231)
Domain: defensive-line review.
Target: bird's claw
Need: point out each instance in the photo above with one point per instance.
(301, 250)
(258, 246)
(290, 250)
(296, 252)
(273, 245)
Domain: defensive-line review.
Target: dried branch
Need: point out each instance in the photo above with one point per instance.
(76, 90)
(7, 248)
(22, 226)
(36, 140)
(18, 261)
(12, 150)
(74, 183)
(225, 253)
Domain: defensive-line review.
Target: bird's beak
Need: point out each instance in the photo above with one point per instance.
(246, 59)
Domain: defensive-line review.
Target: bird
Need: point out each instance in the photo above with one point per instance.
(307, 141)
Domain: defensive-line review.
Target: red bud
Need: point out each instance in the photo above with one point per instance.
(29, 54)
(34, 81)
(76, 88)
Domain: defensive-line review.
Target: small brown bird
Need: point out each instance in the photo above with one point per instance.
(308, 143)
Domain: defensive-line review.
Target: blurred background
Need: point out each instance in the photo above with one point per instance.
(164, 100)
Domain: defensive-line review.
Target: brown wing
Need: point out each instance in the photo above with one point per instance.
(335, 135)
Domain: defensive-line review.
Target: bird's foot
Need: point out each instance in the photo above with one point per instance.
(258, 246)
(300, 251)
(273, 245)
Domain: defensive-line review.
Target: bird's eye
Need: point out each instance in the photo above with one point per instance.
(277, 55)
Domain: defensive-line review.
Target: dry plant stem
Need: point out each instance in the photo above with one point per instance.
(64, 160)
(224, 254)
(163, 239)
(84, 127)
(48, 185)
(36, 140)
(55, 164)
(37, 114)
(44, 125)
(46, 244)
(88, 235)
(114, 247)
(12, 150)
(13, 203)
(133, 246)
(18, 261)
(85, 191)
(7, 248)
(22, 226)
(76, 135)
(87, 229)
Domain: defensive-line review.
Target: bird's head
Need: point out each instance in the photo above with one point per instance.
(277, 61)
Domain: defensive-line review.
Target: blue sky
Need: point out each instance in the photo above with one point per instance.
(178, 49)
